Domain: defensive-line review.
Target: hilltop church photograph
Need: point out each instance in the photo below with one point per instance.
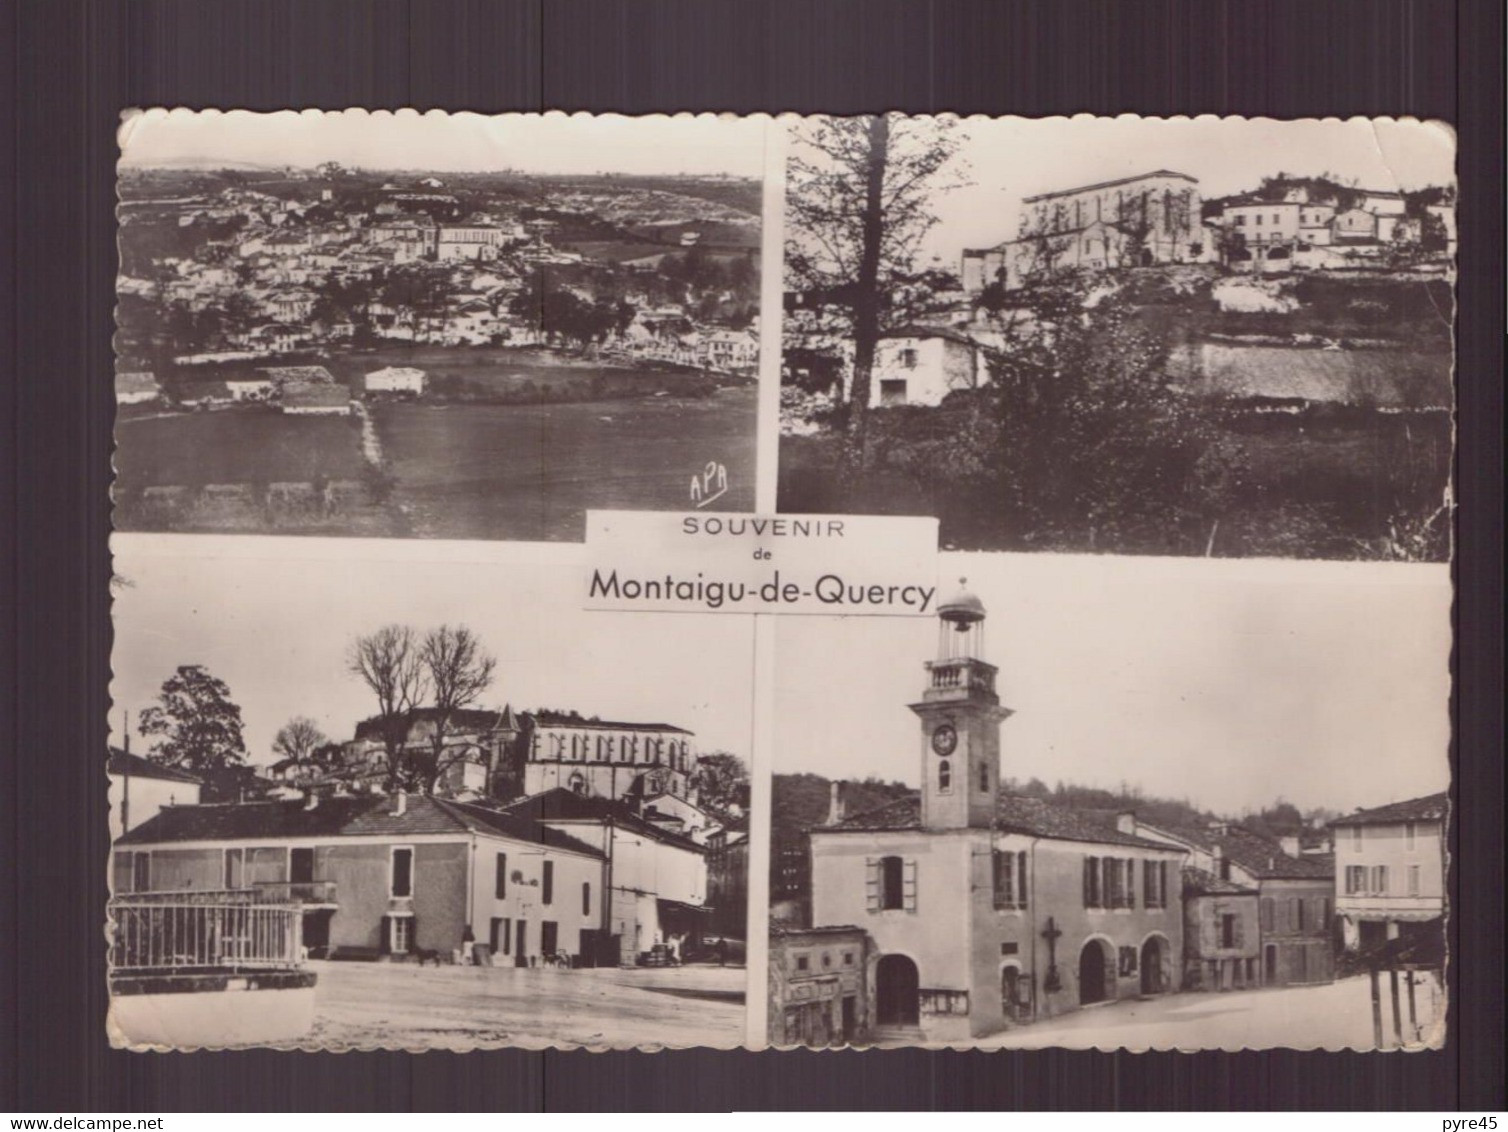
(1088, 806)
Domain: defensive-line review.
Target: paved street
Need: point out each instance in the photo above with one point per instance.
(1336, 1016)
(401, 1005)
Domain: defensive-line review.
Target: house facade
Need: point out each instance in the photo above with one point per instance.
(1222, 945)
(606, 758)
(819, 986)
(1390, 872)
(383, 876)
(395, 379)
(921, 366)
(1050, 908)
(139, 788)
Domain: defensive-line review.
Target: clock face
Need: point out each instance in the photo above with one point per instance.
(944, 739)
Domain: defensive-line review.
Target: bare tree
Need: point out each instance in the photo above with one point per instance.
(458, 670)
(298, 739)
(388, 661)
(860, 199)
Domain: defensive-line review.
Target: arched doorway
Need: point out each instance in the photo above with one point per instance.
(1153, 952)
(1093, 961)
(896, 983)
(1015, 994)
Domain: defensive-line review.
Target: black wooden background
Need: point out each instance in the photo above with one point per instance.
(68, 69)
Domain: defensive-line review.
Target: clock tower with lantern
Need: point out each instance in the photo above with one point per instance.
(961, 716)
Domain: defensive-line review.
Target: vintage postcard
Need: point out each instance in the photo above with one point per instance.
(432, 326)
(823, 582)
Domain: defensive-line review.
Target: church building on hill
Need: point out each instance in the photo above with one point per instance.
(984, 911)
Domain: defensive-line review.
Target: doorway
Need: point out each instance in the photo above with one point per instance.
(897, 991)
(1270, 965)
(1093, 961)
(1151, 966)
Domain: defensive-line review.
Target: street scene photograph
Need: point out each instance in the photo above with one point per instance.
(369, 802)
(1117, 803)
(432, 326)
(1204, 337)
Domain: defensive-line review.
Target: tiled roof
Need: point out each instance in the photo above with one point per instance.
(124, 763)
(461, 722)
(561, 719)
(561, 804)
(366, 816)
(314, 374)
(1109, 184)
(1200, 883)
(1432, 807)
(1256, 853)
(1014, 814)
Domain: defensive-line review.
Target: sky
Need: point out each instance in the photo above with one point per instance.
(1226, 682)
(464, 142)
(1007, 159)
(273, 617)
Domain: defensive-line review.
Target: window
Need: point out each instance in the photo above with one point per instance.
(549, 941)
(944, 777)
(586, 898)
(499, 938)
(908, 358)
(848, 959)
(827, 960)
(803, 963)
(984, 777)
(235, 861)
(500, 889)
(401, 882)
(1092, 889)
(1222, 865)
(1155, 883)
(1356, 879)
(1266, 912)
(1228, 930)
(1324, 912)
(1241, 220)
(1356, 839)
(1298, 913)
(1413, 880)
(401, 935)
(1259, 220)
(893, 391)
(547, 884)
(1408, 835)
(1379, 880)
(892, 881)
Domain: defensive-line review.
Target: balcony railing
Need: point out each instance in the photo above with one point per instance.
(170, 933)
(963, 674)
(295, 892)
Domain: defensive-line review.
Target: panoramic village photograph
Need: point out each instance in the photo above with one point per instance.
(1091, 804)
(362, 803)
(1199, 337)
(432, 326)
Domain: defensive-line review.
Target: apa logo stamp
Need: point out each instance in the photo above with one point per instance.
(710, 484)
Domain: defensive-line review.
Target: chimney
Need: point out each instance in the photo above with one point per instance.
(835, 803)
(1289, 845)
(400, 803)
(1125, 822)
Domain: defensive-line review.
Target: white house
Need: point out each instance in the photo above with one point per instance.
(1390, 872)
(395, 379)
(921, 365)
(140, 788)
(305, 398)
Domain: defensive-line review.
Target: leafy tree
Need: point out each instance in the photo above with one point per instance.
(197, 725)
(298, 739)
(458, 671)
(1078, 441)
(860, 202)
(388, 662)
(722, 781)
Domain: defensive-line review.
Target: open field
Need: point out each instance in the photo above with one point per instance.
(247, 444)
(401, 1005)
(532, 471)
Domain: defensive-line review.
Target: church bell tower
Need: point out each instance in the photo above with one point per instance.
(961, 716)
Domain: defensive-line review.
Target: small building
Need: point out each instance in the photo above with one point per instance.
(819, 986)
(140, 788)
(606, 758)
(1221, 939)
(308, 375)
(383, 876)
(136, 388)
(1390, 873)
(920, 365)
(302, 398)
(727, 350)
(250, 388)
(395, 379)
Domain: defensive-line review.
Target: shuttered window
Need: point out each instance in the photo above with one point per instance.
(1267, 913)
(586, 898)
(872, 884)
(500, 889)
(402, 873)
(547, 884)
(908, 890)
(1130, 883)
(1093, 886)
